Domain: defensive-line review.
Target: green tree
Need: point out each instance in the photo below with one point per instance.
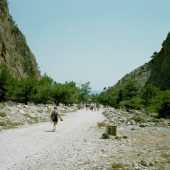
(94, 98)
(13, 88)
(73, 92)
(57, 91)
(84, 94)
(26, 89)
(108, 97)
(148, 94)
(164, 110)
(103, 98)
(133, 103)
(43, 90)
(4, 82)
(130, 90)
(119, 98)
(66, 93)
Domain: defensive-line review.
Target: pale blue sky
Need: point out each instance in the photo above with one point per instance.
(92, 40)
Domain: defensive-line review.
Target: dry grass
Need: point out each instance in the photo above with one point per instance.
(166, 156)
(7, 124)
(2, 114)
(100, 124)
(119, 166)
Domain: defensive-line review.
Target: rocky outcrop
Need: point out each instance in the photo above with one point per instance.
(14, 51)
(160, 66)
(156, 72)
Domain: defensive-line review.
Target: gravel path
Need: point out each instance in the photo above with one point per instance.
(76, 145)
(36, 147)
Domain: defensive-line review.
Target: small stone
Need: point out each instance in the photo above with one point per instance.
(124, 137)
(104, 136)
(151, 164)
(142, 125)
(104, 156)
(22, 112)
(144, 163)
(118, 137)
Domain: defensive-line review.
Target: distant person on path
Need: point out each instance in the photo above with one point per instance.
(94, 107)
(54, 117)
(86, 106)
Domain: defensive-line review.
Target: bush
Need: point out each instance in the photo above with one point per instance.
(138, 119)
(9, 124)
(118, 166)
(134, 103)
(2, 114)
(4, 78)
(101, 124)
(164, 110)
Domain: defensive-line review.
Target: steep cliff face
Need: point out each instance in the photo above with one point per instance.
(160, 66)
(14, 51)
(156, 72)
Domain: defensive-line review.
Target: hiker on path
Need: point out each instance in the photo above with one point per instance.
(94, 107)
(54, 117)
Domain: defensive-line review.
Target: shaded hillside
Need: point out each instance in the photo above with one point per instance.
(156, 72)
(14, 51)
(160, 66)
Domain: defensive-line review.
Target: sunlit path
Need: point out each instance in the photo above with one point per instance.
(36, 147)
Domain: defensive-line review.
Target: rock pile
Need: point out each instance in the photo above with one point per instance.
(12, 114)
(144, 148)
(133, 118)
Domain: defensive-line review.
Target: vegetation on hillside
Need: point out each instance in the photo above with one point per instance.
(146, 88)
(44, 90)
(130, 96)
(155, 72)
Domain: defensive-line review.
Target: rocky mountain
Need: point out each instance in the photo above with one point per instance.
(14, 51)
(156, 71)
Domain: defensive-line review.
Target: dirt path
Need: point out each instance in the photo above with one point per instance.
(36, 147)
(76, 145)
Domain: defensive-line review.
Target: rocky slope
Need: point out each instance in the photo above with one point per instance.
(134, 118)
(145, 140)
(15, 115)
(156, 72)
(14, 51)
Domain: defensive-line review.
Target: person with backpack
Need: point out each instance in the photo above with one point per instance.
(54, 117)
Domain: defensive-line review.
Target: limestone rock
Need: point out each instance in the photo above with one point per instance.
(14, 51)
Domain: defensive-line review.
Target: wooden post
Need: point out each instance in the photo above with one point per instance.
(111, 130)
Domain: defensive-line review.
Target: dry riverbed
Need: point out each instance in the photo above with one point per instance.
(77, 144)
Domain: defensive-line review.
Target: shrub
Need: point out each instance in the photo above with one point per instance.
(2, 114)
(100, 124)
(164, 110)
(8, 124)
(138, 119)
(118, 166)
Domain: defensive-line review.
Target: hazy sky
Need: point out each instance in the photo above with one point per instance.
(92, 40)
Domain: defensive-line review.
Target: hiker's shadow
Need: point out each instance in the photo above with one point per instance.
(48, 131)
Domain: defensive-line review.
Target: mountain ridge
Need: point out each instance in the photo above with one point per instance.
(156, 71)
(14, 51)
